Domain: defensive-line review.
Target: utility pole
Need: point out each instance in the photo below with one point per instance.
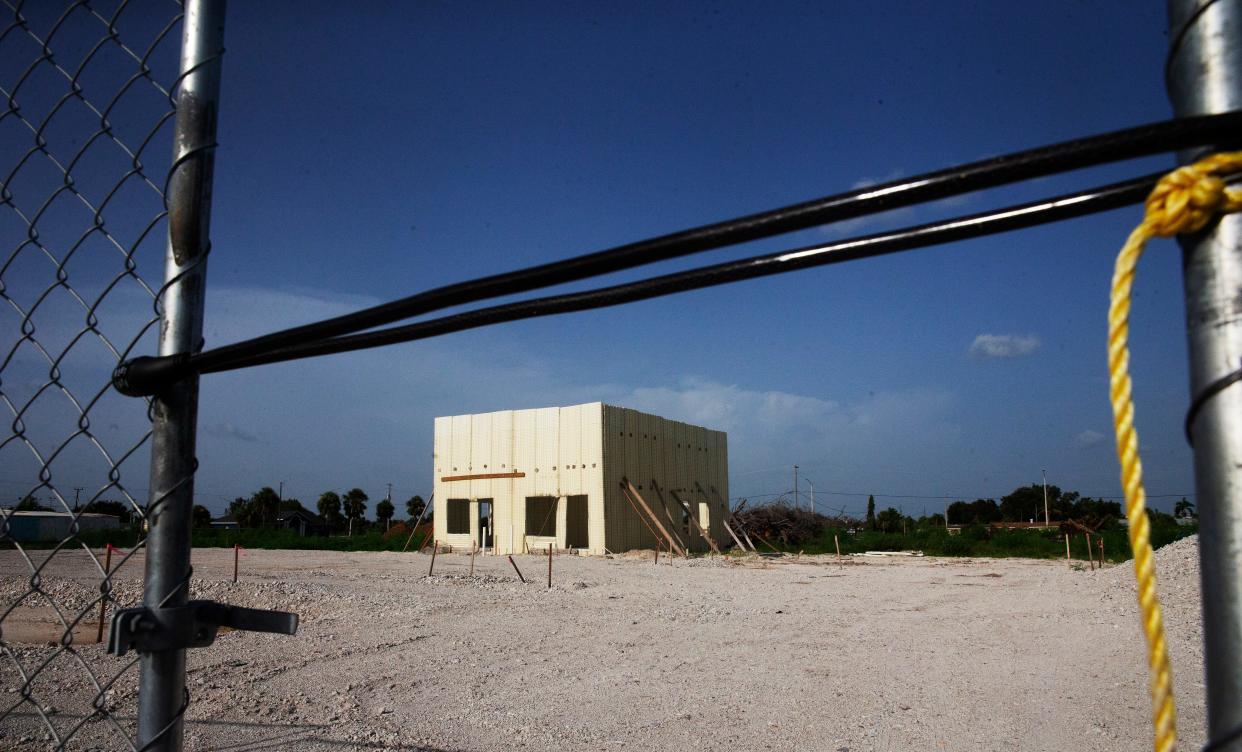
(77, 491)
(1047, 519)
(280, 494)
(388, 522)
(797, 501)
(1204, 76)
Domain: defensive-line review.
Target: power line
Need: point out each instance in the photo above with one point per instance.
(142, 376)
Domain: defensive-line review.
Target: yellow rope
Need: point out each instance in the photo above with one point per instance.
(1183, 201)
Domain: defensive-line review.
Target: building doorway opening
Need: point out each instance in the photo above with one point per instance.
(487, 524)
(577, 531)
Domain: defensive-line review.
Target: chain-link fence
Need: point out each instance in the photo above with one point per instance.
(95, 206)
(85, 148)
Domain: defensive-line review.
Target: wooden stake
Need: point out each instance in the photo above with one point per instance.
(236, 553)
(435, 546)
(472, 548)
(837, 541)
(1101, 552)
(1090, 558)
(1067, 551)
(515, 569)
(103, 601)
(549, 566)
(657, 554)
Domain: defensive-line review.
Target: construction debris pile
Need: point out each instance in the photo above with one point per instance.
(783, 522)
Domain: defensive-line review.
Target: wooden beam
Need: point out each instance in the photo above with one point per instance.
(628, 488)
(733, 535)
(669, 515)
(639, 512)
(420, 520)
(695, 519)
(482, 476)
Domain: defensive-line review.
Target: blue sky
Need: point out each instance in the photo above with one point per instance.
(369, 154)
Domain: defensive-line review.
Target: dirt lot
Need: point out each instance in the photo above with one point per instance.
(927, 654)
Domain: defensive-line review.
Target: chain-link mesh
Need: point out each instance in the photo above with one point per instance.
(85, 128)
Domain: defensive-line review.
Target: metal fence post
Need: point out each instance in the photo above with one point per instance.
(1203, 76)
(161, 694)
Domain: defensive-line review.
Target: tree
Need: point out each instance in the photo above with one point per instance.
(201, 516)
(290, 505)
(329, 507)
(354, 504)
(260, 510)
(1097, 513)
(266, 503)
(29, 503)
(889, 521)
(977, 512)
(414, 507)
(384, 511)
(239, 510)
(871, 512)
(1184, 508)
(120, 510)
(1027, 503)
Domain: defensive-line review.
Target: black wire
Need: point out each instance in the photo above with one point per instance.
(1012, 218)
(1205, 396)
(1143, 140)
(1175, 46)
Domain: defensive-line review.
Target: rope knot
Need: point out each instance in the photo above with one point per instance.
(1189, 197)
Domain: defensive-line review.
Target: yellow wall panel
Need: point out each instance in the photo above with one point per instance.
(579, 449)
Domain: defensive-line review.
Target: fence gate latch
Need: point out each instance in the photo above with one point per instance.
(193, 625)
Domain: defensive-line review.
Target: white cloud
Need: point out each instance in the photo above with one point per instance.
(1088, 438)
(772, 429)
(901, 216)
(230, 431)
(1003, 345)
(366, 416)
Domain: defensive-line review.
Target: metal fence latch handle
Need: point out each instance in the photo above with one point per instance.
(194, 625)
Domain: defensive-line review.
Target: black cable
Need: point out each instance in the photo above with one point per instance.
(977, 225)
(1205, 396)
(1175, 46)
(1143, 140)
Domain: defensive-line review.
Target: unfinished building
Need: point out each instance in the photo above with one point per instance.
(591, 478)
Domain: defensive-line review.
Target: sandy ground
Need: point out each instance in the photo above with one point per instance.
(926, 654)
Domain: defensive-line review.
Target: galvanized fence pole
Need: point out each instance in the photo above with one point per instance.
(1204, 70)
(162, 698)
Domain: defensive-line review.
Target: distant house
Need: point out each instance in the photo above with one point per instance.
(26, 527)
(227, 522)
(301, 520)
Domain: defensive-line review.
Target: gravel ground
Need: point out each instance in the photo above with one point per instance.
(792, 654)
